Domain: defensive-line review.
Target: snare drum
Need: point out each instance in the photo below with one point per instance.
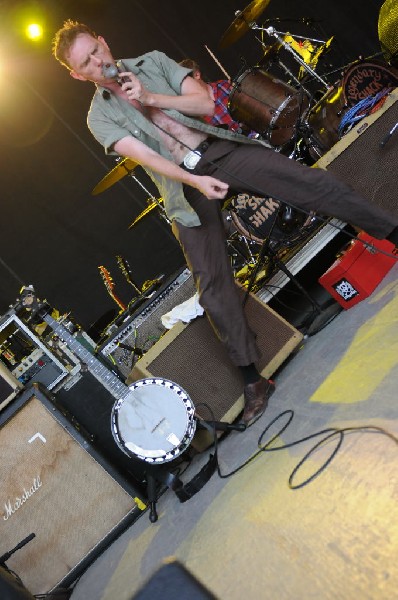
(267, 105)
(360, 80)
(155, 421)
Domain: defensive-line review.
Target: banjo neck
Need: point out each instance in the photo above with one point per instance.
(108, 379)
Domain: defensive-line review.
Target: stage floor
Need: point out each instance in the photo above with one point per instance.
(250, 535)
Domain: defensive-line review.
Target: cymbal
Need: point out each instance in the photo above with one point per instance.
(242, 22)
(387, 30)
(146, 211)
(123, 168)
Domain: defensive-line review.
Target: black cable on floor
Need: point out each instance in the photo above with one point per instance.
(328, 434)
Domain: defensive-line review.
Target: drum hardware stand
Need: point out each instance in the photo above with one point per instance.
(162, 211)
(271, 31)
(249, 258)
(267, 250)
(285, 69)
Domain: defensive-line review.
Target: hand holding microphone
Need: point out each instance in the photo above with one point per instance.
(127, 81)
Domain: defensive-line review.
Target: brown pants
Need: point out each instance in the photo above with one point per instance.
(249, 168)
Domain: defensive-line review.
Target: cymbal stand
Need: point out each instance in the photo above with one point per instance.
(271, 31)
(284, 68)
(288, 72)
(270, 251)
(245, 254)
(155, 200)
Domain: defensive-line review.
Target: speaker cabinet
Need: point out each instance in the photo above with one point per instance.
(55, 486)
(366, 158)
(192, 356)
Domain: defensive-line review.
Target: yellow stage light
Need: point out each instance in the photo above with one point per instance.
(34, 31)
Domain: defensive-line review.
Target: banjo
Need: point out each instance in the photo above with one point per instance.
(153, 419)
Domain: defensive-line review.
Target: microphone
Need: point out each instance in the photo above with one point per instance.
(25, 541)
(111, 71)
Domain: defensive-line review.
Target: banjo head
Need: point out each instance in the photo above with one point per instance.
(155, 421)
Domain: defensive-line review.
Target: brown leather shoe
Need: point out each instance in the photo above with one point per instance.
(256, 399)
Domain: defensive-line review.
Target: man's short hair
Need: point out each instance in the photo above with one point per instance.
(65, 38)
(188, 63)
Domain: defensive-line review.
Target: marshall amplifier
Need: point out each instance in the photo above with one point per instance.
(140, 331)
(57, 491)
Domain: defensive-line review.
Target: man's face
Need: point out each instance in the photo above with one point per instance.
(86, 58)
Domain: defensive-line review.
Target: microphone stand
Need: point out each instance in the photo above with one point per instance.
(267, 250)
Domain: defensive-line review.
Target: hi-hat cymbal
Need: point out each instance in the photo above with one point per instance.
(123, 168)
(242, 22)
(146, 211)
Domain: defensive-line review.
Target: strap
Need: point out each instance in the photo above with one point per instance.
(185, 492)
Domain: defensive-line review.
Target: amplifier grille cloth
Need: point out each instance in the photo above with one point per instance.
(75, 505)
(369, 168)
(198, 362)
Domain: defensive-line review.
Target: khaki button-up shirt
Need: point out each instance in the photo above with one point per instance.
(111, 118)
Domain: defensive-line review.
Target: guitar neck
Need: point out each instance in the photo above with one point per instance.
(125, 268)
(117, 300)
(112, 383)
(106, 278)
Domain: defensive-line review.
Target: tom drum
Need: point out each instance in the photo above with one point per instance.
(267, 105)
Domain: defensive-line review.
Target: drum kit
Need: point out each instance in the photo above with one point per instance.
(289, 112)
(295, 109)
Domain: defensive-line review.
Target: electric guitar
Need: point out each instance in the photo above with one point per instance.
(108, 281)
(126, 270)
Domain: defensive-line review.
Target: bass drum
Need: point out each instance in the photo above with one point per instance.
(360, 80)
(155, 421)
(267, 105)
(259, 218)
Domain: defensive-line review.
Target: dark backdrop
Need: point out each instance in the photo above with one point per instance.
(54, 233)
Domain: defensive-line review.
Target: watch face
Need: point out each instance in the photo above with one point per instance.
(191, 159)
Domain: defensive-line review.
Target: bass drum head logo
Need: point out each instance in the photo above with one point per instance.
(365, 79)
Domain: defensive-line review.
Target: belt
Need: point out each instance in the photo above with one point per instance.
(193, 157)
